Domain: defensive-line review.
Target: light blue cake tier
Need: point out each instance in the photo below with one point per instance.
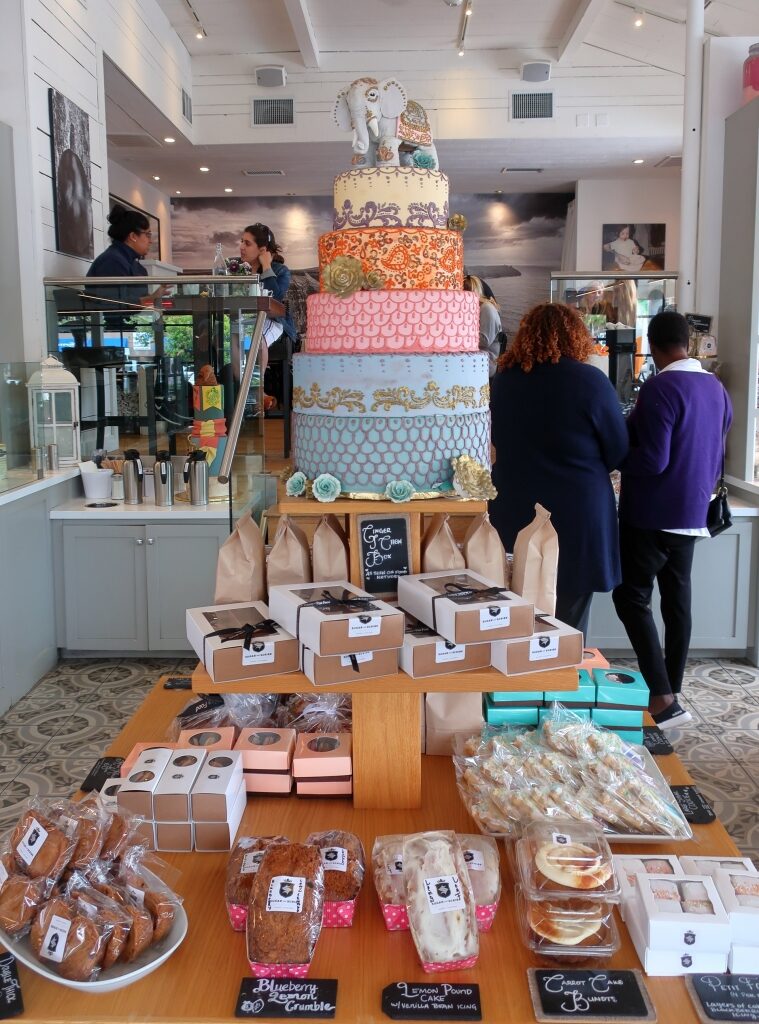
(365, 453)
(390, 385)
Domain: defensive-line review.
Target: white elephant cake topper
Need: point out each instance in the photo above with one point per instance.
(389, 130)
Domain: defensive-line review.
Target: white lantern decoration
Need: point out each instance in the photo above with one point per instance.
(54, 410)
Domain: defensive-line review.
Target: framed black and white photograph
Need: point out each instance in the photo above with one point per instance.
(633, 248)
(72, 177)
(154, 252)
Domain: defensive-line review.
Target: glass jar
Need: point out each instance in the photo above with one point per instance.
(751, 74)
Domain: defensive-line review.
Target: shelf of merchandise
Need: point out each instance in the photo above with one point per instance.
(200, 983)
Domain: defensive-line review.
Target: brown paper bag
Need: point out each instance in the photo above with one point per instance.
(330, 553)
(483, 551)
(241, 568)
(451, 715)
(536, 562)
(289, 560)
(439, 548)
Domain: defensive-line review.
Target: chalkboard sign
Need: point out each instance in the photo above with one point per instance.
(294, 998)
(103, 769)
(407, 1000)
(693, 805)
(725, 996)
(589, 995)
(11, 1000)
(384, 551)
(699, 323)
(655, 741)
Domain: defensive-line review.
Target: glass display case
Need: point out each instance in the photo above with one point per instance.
(17, 466)
(161, 363)
(617, 309)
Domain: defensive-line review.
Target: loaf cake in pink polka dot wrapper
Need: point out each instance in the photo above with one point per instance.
(242, 867)
(344, 863)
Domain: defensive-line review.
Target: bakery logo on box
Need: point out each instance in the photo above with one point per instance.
(444, 893)
(446, 651)
(259, 653)
(687, 960)
(494, 617)
(689, 938)
(364, 625)
(33, 841)
(544, 647)
(286, 894)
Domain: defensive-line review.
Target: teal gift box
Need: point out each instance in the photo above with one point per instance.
(544, 713)
(583, 697)
(617, 718)
(508, 716)
(519, 698)
(620, 688)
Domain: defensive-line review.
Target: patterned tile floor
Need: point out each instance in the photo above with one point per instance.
(50, 739)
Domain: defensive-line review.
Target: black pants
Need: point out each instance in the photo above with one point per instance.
(574, 609)
(649, 555)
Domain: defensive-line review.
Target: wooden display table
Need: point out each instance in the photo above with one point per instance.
(201, 981)
(387, 726)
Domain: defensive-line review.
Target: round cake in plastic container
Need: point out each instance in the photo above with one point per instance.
(560, 858)
(568, 931)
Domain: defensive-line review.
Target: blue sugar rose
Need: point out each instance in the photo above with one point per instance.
(399, 490)
(296, 485)
(326, 487)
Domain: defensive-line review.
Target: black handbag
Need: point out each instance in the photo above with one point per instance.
(718, 516)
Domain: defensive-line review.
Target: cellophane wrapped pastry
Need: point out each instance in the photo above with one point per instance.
(568, 768)
(387, 866)
(20, 896)
(440, 902)
(44, 840)
(242, 866)
(484, 867)
(69, 940)
(344, 863)
(316, 712)
(285, 911)
(241, 710)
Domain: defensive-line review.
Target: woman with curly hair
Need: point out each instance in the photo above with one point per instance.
(558, 432)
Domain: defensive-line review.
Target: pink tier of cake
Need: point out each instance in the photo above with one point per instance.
(420, 320)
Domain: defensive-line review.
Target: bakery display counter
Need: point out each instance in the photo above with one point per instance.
(201, 981)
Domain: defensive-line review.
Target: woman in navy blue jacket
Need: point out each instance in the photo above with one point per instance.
(558, 432)
(259, 248)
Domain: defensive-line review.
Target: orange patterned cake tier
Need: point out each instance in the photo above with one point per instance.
(406, 257)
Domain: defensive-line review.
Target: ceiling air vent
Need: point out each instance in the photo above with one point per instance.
(670, 161)
(133, 141)
(268, 112)
(186, 106)
(263, 174)
(529, 106)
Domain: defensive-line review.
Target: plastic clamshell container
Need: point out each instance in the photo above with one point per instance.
(571, 932)
(560, 858)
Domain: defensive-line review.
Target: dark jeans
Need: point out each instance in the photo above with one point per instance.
(574, 609)
(649, 555)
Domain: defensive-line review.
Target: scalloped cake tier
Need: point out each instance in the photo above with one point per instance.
(405, 257)
(391, 197)
(415, 320)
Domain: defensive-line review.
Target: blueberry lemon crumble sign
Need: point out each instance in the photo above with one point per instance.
(299, 999)
(589, 995)
(384, 551)
(407, 1000)
(725, 996)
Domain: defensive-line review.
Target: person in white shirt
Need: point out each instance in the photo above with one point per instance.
(490, 322)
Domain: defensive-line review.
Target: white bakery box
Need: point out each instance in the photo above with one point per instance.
(710, 865)
(270, 650)
(629, 865)
(553, 644)
(171, 801)
(135, 794)
(743, 960)
(336, 618)
(739, 892)
(218, 801)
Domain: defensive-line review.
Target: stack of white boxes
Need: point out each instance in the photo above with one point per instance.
(692, 915)
(190, 799)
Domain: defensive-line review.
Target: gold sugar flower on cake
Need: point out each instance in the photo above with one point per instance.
(458, 222)
(343, 276)
(471, 479)
(374, 279)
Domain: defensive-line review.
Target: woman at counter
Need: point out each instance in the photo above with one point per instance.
(130, 236)
(490, 321)
(259, 248)
(558, 432)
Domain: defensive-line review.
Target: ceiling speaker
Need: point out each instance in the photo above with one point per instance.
(536, 71)
(271, 76)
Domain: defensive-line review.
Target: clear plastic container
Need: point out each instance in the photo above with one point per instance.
(570, 931)
(560, 858)
(751, 74)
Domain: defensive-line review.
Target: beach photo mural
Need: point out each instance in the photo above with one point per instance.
(512, 241)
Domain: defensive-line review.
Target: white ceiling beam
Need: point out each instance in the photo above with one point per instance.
(300, 19)
(580, 24)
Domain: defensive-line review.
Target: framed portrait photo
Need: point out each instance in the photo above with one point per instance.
(72, 176)
(633, 248)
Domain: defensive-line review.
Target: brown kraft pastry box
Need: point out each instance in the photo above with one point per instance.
(465, 607)
(344, 863)
(285, 911)
(240, 641)
(553, 644)
(426, 653)
(336, 618)
(267, 755)
(326, 670)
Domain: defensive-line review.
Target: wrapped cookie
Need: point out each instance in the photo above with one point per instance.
(484, 868)
(440, 902)
(242, 866)
(68, 941)
(43, 841)
(149, 890)
(342, 855)
(98, 907)
(20, 897)
(387, 866)
(285, 911)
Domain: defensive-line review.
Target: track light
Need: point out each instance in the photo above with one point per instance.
(200, 32)
(464, 26)
(639, 21)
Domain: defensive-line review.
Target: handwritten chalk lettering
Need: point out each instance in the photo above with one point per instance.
(11, 1000)
(589, 994)
(695, 808)
(287, 997)
(729, 997)
(384, 543)
(411, 1001)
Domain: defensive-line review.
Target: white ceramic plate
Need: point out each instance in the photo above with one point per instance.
(115, 977)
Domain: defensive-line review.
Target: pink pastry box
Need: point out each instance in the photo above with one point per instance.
(240, 641)
(336, 618)
(323, 764)
(465, 607)
(267, 759)
(208, 738)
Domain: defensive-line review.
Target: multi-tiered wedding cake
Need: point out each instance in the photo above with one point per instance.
(391, 386)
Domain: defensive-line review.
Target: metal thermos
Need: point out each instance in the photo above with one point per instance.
(52, 457)
(133, 474)
(163, 476)
(196, 477)
(39, 462)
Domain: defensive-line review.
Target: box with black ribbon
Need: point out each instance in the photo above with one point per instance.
(330, 669)
(240, 641)
(464, 607)
(336, 618)
(426, 653)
